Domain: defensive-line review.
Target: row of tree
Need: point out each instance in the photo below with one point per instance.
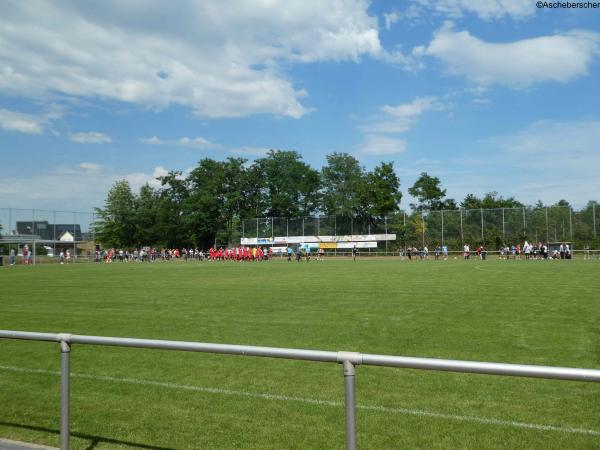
(212, 201)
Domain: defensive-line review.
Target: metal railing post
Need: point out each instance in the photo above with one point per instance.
(350, 403)
(65, 352)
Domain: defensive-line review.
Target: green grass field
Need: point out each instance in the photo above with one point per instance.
(534, 312)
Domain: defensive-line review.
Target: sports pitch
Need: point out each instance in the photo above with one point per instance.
(531, 312)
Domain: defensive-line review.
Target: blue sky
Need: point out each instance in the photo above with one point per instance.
(488, 95)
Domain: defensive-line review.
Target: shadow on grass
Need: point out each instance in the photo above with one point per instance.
(94, 440)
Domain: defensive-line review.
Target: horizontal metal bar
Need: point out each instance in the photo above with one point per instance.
(448, 365)
(244, 350)
(27, 335)
(514, 370)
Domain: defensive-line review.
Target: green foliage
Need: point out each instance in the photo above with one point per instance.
(383, 187)
(343, 182)
(490, 200)
(116, 224)
(207, 207)
(429, 194)
(290, 186)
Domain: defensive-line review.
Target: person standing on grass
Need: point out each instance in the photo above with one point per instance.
(466, 251)
(289, 253)
(11, 257)
(355, 253)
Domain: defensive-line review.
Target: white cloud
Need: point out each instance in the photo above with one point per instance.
(250, 151)
(560, 144)
(382, 134)
(22, 123)
(401, 118)
(90, 166)
(390, 19)
(520, 64)
(412, 14)
(185, 141)
(195, 142)
(28, 123)
(90, 138)
(154, 140)
(484, 9)
(552, 159)
(220, 60)
(376, 145)
(69, 187)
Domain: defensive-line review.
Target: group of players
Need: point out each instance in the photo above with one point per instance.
(240, 254)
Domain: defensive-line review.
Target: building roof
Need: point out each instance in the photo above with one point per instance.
(48, 231)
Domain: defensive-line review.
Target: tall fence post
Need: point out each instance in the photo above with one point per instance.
(482, 238)
(386, 232)
(423, 219)
(547, 229)
(65, 351)
(594, 218)
(571, 225)
(350, 403)
(503, 228)
(462, 235)
(442, 227)
(524, 222)
(74, 237)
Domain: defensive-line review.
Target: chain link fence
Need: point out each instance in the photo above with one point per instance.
(451, 228)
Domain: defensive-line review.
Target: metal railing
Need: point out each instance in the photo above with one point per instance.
(348, 360)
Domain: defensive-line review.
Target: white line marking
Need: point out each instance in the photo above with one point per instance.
(312, 401)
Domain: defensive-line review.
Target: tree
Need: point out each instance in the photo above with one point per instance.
(171, 231)
(490, 200)
(291, 187)
(146, 217)
(116, 224)
(342, 179)
(238, 194)
(205, 204)
(429, 194)
(383, 185)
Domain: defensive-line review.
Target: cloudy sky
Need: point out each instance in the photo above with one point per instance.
(487, 95)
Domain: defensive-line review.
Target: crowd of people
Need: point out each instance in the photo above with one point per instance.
(537, 251)
(150, 254)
